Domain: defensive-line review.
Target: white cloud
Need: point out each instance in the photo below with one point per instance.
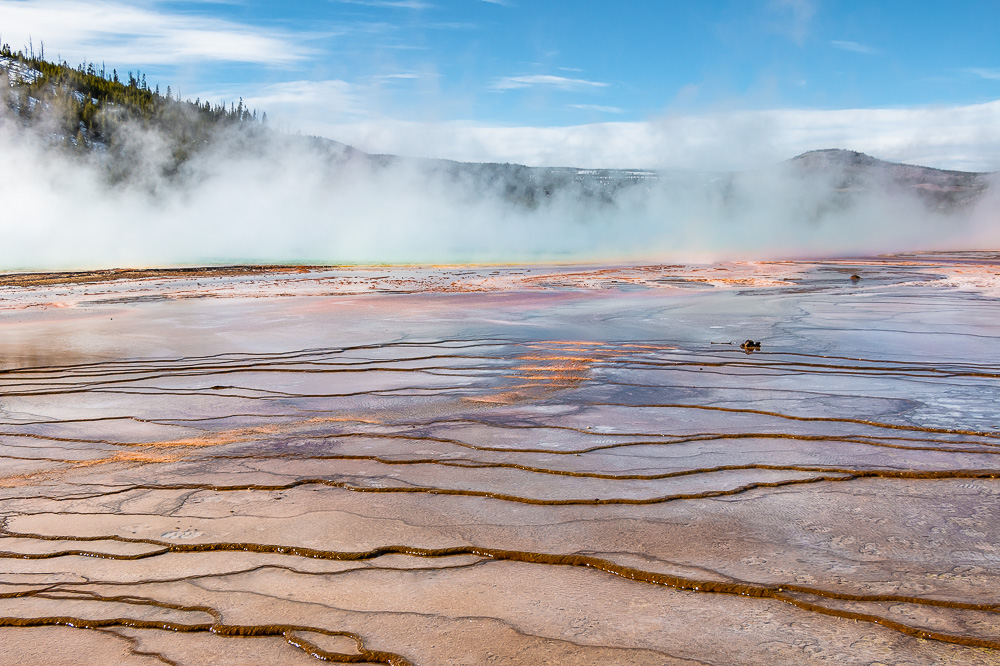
(597, 107)
(398, 76)
(140, 35)
(853, 47)
(559, 82)
(453, 25)
(796, 16)
(304, 105)
(983, 73)
(391, 4)
(951, 137)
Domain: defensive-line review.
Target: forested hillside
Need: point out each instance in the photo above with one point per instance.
(89, 108)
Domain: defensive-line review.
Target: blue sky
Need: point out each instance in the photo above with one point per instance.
(722, 83)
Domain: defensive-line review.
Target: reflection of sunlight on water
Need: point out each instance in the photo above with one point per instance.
(800, 474)
(145, 453)
(558, 365)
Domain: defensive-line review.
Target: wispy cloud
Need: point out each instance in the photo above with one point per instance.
(795, 16)
(502, 3)
(548, 80)
(853, 47)
(390, 4)
(142, 35)
(453, 25)
(597, 107)
(302, 105)
(984, 73)
(400, 75)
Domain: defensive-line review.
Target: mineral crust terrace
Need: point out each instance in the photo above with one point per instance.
(503, 464)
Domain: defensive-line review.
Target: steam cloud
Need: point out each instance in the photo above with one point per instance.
(284, 199)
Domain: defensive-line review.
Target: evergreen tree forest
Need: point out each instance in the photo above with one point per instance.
(87, 107)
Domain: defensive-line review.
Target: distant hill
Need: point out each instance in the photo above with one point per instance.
(857, 172)
(843, 175)
(88, 110)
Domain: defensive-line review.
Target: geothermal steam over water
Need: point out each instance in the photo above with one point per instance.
(503, 465)
(267, 197)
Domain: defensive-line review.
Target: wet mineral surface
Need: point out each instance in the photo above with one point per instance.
(503, 465)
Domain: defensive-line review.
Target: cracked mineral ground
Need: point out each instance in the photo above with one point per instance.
(503, 464)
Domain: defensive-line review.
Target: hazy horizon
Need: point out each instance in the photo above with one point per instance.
(288, 200)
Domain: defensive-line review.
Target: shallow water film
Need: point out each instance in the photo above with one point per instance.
(503, 465)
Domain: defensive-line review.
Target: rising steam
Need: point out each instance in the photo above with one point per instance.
(285, 199)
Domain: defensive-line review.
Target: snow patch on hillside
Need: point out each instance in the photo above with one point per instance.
(18, 72)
